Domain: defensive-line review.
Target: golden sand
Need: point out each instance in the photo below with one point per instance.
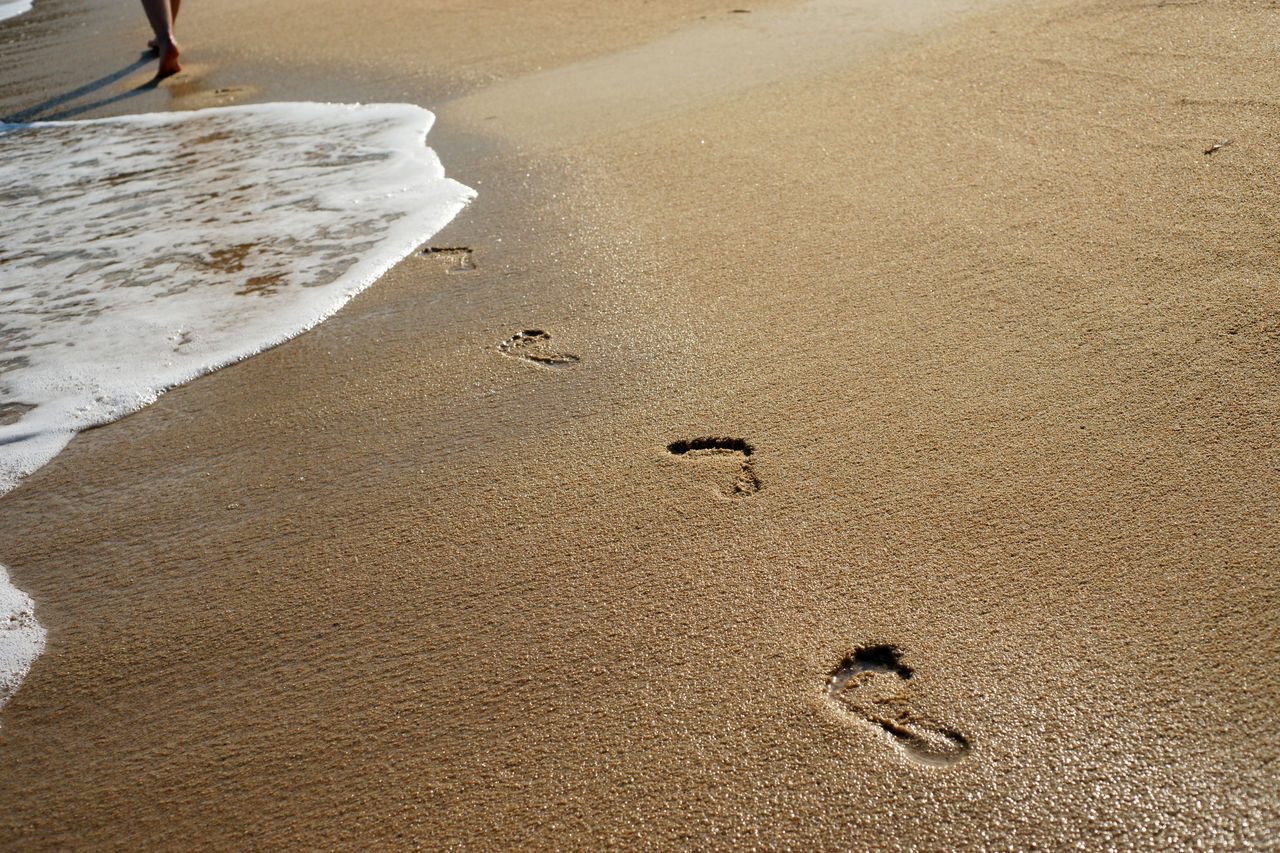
(946, 365)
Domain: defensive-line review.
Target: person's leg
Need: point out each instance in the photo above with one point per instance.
(174, 4)
(160, 15)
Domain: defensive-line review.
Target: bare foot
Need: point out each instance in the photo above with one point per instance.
(154, 47)
(168, 60)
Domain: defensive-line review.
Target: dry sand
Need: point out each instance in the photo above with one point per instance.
(1003, 340)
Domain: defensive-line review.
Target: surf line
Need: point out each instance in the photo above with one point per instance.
(143, 251)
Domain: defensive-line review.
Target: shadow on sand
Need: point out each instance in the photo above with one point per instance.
(36, 113)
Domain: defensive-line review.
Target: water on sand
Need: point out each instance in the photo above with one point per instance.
(137, 253)
(13, 8)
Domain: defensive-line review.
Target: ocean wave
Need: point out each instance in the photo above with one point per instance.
(137, 253)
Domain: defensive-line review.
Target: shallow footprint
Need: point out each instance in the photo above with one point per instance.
(531, 345)
(873, 684)
(455, 258)
(926, 742)
(191, 91)
(745, 482)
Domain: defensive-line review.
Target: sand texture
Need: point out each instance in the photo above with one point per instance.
(871, 445)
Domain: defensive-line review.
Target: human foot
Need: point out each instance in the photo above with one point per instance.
(168, 60)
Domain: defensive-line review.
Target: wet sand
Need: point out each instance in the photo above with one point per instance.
(1002, 342)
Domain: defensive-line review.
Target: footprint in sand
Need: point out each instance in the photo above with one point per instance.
(731, 454)
(872, 684)
(455, 258)
(531, 345)
(190, 90)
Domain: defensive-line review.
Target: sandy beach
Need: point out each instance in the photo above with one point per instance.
(981, 316)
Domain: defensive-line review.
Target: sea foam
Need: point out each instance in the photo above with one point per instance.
(13, 8)
(137, 253)
(21, 637)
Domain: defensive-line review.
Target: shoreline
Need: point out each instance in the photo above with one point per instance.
(997, 332)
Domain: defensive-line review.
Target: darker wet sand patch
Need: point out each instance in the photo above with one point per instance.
(11, 413)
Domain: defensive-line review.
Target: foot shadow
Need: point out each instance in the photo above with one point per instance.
(35, 113)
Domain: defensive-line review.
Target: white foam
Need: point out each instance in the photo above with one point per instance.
(14, 8)
(137, 253)
(21, 637)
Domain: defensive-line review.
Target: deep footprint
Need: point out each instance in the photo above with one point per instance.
(873, 684)
(745, 480)
(531, 345)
